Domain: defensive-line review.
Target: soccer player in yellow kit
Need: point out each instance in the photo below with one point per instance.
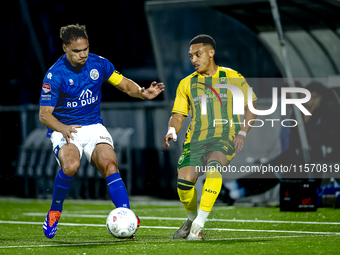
(214, 134)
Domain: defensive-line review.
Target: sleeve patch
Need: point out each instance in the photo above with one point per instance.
(46, 87)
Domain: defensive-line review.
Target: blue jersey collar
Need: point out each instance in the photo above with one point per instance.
(71, 67)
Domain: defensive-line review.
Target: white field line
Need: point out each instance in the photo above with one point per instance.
(220, 208)
(134, 200)
(171, 218)
(57, 245)
(259, 237)
(114, 242)
(135, 210)
(161, 227)
(149, 209)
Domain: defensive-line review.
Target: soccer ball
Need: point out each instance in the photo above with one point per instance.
(121, 223)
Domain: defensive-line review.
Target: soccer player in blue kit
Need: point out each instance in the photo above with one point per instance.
(70, 108)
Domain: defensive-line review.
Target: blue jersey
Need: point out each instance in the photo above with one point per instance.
(75, 93)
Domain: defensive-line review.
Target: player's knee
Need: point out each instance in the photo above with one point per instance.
(70, 167)
(186, 175)
(110, 167)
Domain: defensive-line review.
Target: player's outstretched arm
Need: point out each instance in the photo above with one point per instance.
(46, 118)
(175, 125)
(239, 139)
(134, 90)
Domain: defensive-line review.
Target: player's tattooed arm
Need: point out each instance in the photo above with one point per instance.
(46, 118)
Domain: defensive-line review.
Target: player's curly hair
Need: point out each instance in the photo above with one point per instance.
(72, 33)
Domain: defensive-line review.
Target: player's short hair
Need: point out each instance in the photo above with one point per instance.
(205, 39)
(72, 33)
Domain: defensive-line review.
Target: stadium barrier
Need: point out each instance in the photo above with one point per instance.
(37, 167)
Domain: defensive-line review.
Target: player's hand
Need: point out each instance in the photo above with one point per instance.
(154, 90)
(68, 130)
(167, 139)
(239, 142)
(171, 135)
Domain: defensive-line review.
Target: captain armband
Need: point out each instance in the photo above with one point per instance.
(115, 78)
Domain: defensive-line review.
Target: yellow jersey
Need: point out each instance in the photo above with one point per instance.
(211, 108)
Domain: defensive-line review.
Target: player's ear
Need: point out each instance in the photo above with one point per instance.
(211, 53)
(64, 47)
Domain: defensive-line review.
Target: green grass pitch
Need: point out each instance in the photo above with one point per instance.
(230, 230)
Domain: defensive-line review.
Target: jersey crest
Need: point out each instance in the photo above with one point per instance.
(94, 74)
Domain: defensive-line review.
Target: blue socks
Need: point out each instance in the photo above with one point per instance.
(114, 182)
(62, 185)
(117, 191)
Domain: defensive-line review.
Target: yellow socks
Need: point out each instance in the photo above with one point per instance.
(188, 196)
(212, 186)
(211, 189)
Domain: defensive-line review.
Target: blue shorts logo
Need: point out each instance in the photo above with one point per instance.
(56, 151)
